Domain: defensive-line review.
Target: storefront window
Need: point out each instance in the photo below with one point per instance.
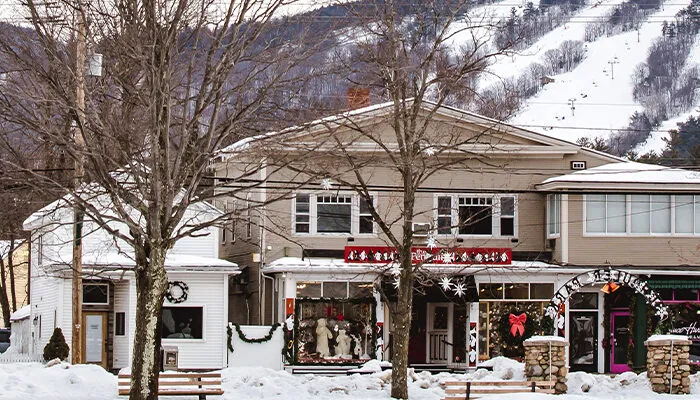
(490, 290)
(361, 289)
(335, 331)
(685, 295)
(502, 335)
(337, 290)
(309, 289)
(583, 301)
(543, 291)
(516, 291)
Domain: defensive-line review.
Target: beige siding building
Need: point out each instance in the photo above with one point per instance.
(509, 225)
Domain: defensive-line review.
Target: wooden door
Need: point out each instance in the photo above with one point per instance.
(439, 344)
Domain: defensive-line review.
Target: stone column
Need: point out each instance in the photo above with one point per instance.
(668, 363)
(539, 366)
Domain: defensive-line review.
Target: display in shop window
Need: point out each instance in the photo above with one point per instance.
(335, 331)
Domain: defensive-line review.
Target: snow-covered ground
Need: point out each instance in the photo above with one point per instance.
(64, 381)
(601, 102)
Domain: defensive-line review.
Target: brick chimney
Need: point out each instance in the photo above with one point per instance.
(358, 97)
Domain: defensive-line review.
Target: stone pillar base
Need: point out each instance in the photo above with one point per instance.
(668, 363)
(537, 360)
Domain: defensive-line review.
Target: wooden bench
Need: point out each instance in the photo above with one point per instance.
(181, 384)
(464, 390)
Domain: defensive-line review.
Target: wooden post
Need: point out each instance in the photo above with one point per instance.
(80, 54)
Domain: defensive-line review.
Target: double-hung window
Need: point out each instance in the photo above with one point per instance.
(332, 214)
(476, 215)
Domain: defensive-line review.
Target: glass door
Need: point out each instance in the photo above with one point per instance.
(620, 341)
(583, 353)
(95, 338)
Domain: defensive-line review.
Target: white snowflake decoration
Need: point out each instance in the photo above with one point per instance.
(395, 270)
(432, 242)
(327, 184)
(429, 151)
(445, 283)
(448, 257)
(397, 282)
(459, 289)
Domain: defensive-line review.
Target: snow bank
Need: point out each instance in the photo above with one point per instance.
(62, 381)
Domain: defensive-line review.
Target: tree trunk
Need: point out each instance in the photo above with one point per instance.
(151, 283)
(401, 327)
(4, 302)
(11, 270)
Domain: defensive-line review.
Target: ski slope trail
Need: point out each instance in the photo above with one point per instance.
(600, 88)
(511, 66)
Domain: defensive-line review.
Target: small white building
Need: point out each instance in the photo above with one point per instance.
(195, 310)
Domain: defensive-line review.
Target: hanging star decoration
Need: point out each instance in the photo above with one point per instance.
(395, 270)
(460, 289)
(445, 283)
(326, 184)
(432, 241)
(397, 281)
(429, 151)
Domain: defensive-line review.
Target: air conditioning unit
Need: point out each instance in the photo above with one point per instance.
(421, 229)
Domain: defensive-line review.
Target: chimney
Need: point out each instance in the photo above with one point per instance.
(358, 97)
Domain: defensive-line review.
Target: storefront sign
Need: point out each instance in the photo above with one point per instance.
(605, 276)
(692, 331)
(434, 255)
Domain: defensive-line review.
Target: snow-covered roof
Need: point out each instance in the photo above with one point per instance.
(21, 314)
(330, 265)
(173, 261)
(627, 175)
(334, 265)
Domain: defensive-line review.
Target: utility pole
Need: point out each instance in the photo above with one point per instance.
(80, 56)
(612, 67)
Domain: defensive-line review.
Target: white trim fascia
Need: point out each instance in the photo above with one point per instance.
(644, 187)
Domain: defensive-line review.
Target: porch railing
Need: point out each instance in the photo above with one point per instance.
(438, 346)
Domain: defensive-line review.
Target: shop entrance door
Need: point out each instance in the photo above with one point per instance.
(584, 340)
(439, 346)
(619, 341)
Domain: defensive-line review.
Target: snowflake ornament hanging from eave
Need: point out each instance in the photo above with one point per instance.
(395, 270)
(429, 151)
(460, 289)
(431, 242)
(397, 281)
(445, 283)
(326, 184)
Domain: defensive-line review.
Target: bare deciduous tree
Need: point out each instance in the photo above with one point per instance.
(181, 79)
(419, 63)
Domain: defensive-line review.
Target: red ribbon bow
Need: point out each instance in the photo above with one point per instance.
(516, 324)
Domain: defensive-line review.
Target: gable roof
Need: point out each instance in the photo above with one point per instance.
(627, 175)
(369, 114)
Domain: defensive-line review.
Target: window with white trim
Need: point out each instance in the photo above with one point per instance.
(642, 214)
(332, 214)
(553, 214)
(476, 215)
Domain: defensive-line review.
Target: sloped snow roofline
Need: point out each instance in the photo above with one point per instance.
(376, 109)
(627, 173)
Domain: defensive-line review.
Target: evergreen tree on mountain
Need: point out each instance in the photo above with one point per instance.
(683, 143)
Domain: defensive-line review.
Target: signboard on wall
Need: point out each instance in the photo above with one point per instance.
(430, 255)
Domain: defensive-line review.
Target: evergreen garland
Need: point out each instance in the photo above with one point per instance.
(245, 339)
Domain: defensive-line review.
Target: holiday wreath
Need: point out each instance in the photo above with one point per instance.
(177, 292)
(516, 326)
